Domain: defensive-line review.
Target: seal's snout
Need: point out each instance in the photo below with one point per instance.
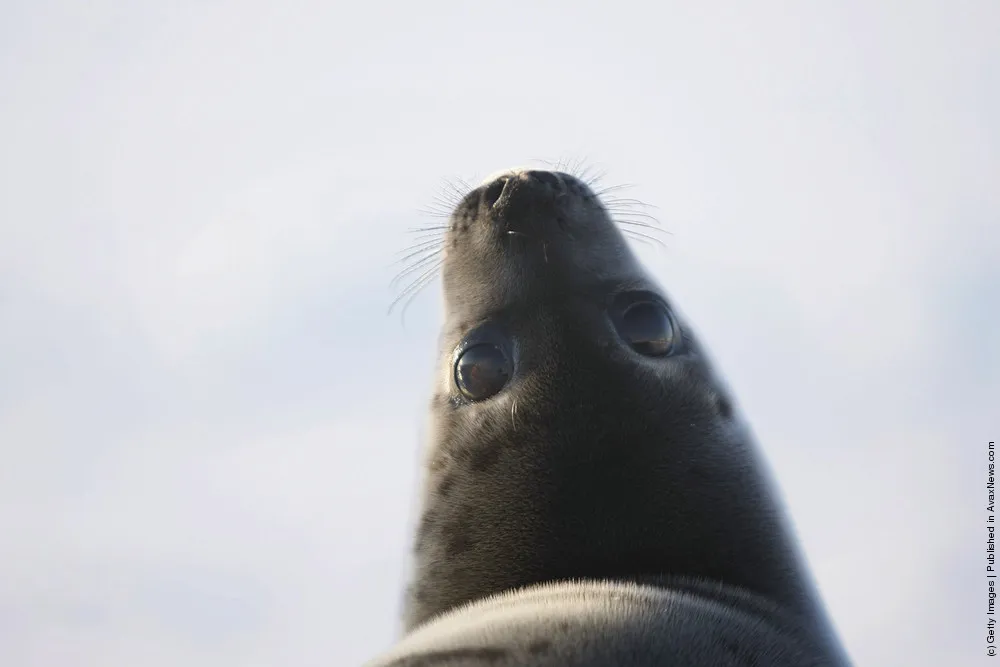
(515, 194)
(522, 225)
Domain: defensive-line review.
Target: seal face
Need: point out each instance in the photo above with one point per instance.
(578, 431)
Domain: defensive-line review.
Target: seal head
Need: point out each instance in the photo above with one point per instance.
(580, 442)
(607, 448)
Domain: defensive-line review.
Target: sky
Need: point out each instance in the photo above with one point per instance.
(210, 425)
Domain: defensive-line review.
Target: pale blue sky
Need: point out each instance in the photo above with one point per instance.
(210, 427)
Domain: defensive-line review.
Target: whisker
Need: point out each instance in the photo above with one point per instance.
(439, 230)
(558, 165)
(651, 224)
(428, 269)
(447, 198)
(414, 288)
(434, 213)
(427, 251)
(635, 214)
(438, 209)
(429, 232)
(625, 201)
(645, 242)
(591, 179)
(422, 263)
(430, 228)
(452, 193)
(424, 237)
(613, 188)
(575, 165)
(650, 229)
(423, 258)
(437, 238)
(631, 233)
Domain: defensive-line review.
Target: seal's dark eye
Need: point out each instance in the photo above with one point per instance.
(647, 327)
(481, 371)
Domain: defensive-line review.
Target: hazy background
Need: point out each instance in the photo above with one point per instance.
(208, 424)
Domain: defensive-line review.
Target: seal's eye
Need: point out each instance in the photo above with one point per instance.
(647, 327)
(481, 371)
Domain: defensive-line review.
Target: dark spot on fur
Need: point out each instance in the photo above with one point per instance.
(484, 456)
(539, 647)
(740, 654)
(725, 406)
(446, 483)
(458, 539)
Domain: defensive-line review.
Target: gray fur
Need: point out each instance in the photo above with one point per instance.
(604, 508)
(598, 624)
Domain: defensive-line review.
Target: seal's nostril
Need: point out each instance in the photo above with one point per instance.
(547, 177)
(493, 191)
(518, 193)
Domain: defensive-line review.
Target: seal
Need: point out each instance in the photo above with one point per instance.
(591, 494)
